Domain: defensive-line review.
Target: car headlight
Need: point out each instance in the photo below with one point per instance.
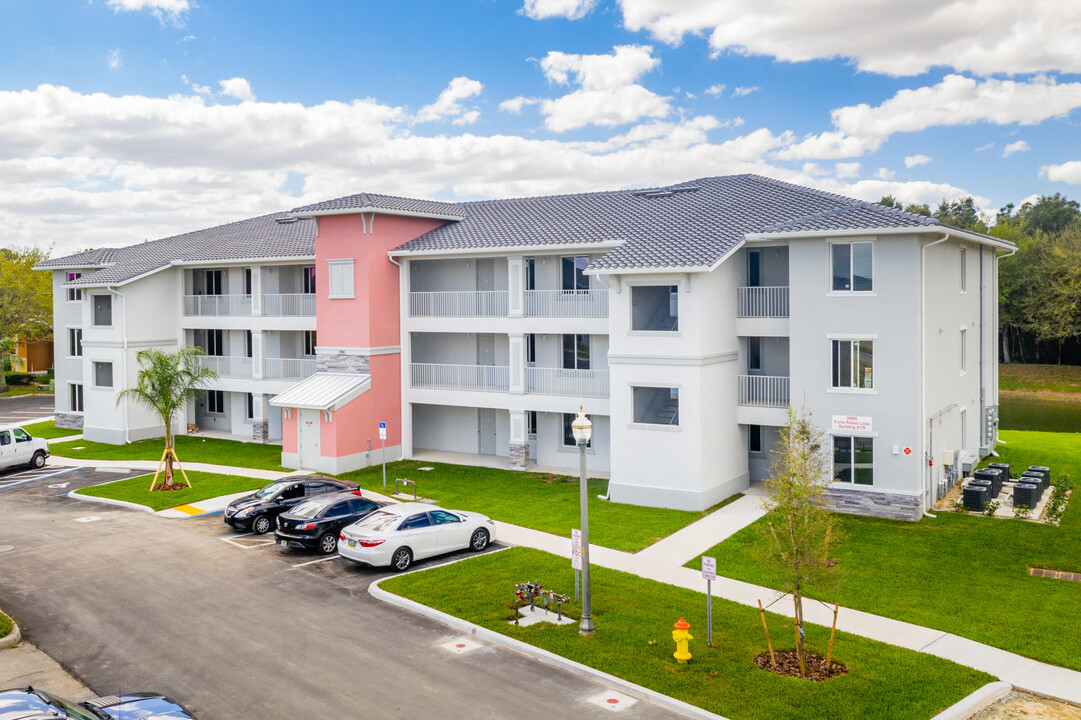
(245, 512)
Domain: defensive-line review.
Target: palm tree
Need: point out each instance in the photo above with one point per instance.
(167, 382)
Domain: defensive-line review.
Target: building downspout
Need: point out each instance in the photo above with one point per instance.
(923, 365)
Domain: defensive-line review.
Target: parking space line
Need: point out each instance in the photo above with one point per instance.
(235, 535)
(262, 542)
(312, 562)
(36, 477)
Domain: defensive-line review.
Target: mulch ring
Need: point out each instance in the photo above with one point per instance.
(788, 664)
(169, 488)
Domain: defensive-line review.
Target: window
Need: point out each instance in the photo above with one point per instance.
(574, 277)
(103, 310)
(247, 281)
(340, 273)
(308, 279)
(531, 349)
(754, 353)
(75, 397)
(530, 273)
(853, 460)
(74, 294)
(442, 517)
(964, 270)
(75, 342)
(5, 437)
(655, 307)
(568, 432)
(576, 352)
(754, 265)
(416, 521)
(248, 344)
(103, 374)
(213, 282)
(852, 270)
(964, 338)
(656, 405)
(215, 341)
(754, 438)
(309, 342)
(336, 510)
(21, 435)
(852, 364)
(964, 430)
(251, 406)
(215, 401)
(530, 422)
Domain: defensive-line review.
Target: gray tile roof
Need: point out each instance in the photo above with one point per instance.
(854, 217)
(268, 236)
(360, 201)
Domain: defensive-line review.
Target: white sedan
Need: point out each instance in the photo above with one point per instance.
(396, 535)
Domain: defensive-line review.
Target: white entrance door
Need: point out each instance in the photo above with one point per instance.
(308, 439)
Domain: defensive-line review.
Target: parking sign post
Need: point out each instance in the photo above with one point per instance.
(709, 572)
(576, 558)
(383, 444)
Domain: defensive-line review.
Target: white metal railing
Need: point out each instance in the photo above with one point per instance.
(566, 303)
(489, 378)
(217, 305)
(227, 366)
(288, 368)
(571, 383)
(464, 303)
(763, 302)
(289, 305)
(763, 390)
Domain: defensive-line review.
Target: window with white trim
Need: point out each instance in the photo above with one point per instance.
(964, 270)
(74, 294)
(854, 459)
(964, 359)
(340, 279)
(754, 353)
(573, 273)
(754, 438)
(568, 431)
(576, 352)
(251, 406)
(309, 342)
(308, 279)
(103, 310)
(215, 401)
(75, 397)
(656, 405)
(655, 308)
(103, 374)
(853, 362)
(213, 282)
(75, 342)
(852, 266)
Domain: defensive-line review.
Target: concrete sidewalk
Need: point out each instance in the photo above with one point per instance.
(26, 665)
(152, 465)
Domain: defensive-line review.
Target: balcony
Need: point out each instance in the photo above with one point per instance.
(217, 305)
(227, 366)
(763, 302)
(465, 303)
(569, 383)
(485, 378)
(764, 391)
(289, 305)
(288, 368)
(566, 303)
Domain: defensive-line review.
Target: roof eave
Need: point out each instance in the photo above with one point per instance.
(116, 283)
(242, 260)
(648, 270)
(84, 266)
(852, 232)
(377, 211)
(504, 249)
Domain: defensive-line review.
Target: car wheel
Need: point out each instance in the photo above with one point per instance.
(328, 543)
(402, 559)
(479, 541)
(260, 525)
(38, 460)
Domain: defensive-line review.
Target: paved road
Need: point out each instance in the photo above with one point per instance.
(237, 628)
(26, 408)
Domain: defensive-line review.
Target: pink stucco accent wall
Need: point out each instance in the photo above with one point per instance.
(289, 432)
(358, 422)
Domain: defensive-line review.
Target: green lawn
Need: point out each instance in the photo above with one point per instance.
(205, 485)
(963, 574)
(535, 500)
(5, 625)
(1030, 377)
(1057, 413)
(49, 430)
(190, 449)
(883, 681)
(15, 390)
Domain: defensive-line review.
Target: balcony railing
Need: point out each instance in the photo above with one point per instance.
(763, 391)
(763, 302)
(488, 378)
(227, 366)
(566, 303)
(570, 383)
(289, 305)
(288, 368)
(217, 305)
(465, 303)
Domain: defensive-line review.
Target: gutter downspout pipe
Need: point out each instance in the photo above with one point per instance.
(923, 365)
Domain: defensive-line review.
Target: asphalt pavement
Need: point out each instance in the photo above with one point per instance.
(26, 408)
(235, 627)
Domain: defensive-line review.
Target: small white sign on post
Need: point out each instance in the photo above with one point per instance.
(709, 574)
(576, 549)
(382, 431)
(709, 568)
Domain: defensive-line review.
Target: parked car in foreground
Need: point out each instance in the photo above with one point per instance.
(18, 447)
(257, 512)
(30, 704)
(316, 523)
(398, 534)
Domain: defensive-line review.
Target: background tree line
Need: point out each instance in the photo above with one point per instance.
(1039, 285)
(26, 301)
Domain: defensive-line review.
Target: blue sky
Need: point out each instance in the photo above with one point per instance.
(122, 120)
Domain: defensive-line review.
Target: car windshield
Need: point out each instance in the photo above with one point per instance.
(269, 490)
(308, 509)
(378, 522)
(71, 710)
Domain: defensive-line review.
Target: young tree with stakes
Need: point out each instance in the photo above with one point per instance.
(167, 382)
(796, 534)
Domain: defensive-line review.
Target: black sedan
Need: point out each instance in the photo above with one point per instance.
(256, 512)
(32, 703)
(316, 523)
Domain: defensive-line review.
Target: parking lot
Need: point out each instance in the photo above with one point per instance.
(25, 409)
(237, 627)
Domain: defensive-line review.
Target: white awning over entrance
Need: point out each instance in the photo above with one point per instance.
(324, 391)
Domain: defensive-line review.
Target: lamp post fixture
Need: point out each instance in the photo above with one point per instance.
(582, 429)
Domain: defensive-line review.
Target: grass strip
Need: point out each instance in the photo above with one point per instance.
(17, 390)
(49, 430)
(540, 501)
(205, 486)
(883, 681)
(959, 573)
(190, 449)
(6, 624)
(1050, 378)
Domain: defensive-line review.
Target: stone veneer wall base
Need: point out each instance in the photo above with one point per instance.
(260, 431)
(875, 504)
(353, 364)
(519, 455)
(69, 421)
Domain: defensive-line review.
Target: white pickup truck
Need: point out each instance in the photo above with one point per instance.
(18, 447)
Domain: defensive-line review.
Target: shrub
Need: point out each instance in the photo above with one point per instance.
(18, 378)
(1021, 511)
(992, 506)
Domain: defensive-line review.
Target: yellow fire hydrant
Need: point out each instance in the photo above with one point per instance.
(681, 636)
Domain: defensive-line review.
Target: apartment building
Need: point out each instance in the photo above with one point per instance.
(684, 319)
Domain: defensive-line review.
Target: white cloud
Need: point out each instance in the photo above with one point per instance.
(714, 90)
(884, 174)
(514, 105)
(236, 87)
(988, 146)
(1067, 172)
(957, 100)
(201, 89)
(569, 9)
(914, 160)
(448, 106)
(113, 58)
(743, 91)
(1015, 147)
(173, 10)
(894, 37)
(844, 170)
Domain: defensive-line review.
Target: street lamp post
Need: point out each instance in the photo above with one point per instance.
(582, 429)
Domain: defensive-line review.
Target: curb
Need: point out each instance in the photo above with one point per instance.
(109, 501)
(549, 658)
(13, 638)
(969, 706)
